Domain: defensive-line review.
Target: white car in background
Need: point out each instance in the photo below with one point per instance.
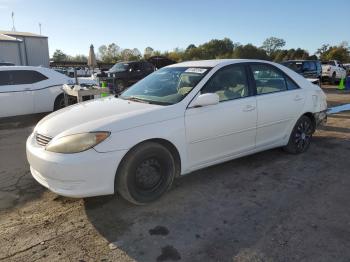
(181, 118)
(30, 90)
(333, 70)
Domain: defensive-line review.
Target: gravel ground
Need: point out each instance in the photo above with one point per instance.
(269, 206)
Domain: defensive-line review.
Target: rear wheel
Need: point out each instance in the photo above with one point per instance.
(300, 138)
(145, 173)
(59, 103)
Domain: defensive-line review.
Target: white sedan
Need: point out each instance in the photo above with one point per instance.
(181, 118)
(30, 90)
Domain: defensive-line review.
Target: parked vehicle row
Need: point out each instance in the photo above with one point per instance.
(310, 69)
(180, 118)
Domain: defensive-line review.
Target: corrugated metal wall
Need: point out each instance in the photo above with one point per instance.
(34, 50)
(37, 51)
(9, 52)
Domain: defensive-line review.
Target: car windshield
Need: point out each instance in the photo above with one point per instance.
(119, 67)
(296, 66)
(166, 86)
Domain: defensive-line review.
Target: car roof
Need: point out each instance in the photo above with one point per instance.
(21, 68)
(217, 62)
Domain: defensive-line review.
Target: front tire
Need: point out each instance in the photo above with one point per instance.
(145, 173)
(300, 138)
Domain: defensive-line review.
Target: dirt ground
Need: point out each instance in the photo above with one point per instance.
(269, 206)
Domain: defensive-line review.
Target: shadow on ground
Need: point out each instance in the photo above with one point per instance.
(267, 207)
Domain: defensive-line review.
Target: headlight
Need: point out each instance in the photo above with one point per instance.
(76, 143)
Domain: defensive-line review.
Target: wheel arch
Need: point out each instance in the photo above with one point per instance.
(60, 95)
(312, 118)
(164, 142)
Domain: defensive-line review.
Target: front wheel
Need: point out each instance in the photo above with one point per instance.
(145, 173)
(300, 138)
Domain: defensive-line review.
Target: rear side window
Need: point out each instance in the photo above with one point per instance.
(20, 77)
(269, 79)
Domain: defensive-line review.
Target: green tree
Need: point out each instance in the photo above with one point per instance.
(272, 44)
(59, 56)
(110, 53)
(250, 51)
(148, 52)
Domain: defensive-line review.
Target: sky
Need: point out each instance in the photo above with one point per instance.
(72, 25)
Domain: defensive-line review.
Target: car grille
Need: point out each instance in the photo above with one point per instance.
(42, 140)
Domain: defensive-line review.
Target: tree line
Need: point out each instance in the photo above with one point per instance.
(272, 49)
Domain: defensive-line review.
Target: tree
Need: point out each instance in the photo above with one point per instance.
(148, 52)
(79, 58)
(110, 53)
(250, 51)
(59, 56)
(272, 44)
(340, 52)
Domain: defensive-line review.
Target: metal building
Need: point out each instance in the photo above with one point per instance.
(23, 48)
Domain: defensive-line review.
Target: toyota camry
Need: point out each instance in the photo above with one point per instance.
(181, 118)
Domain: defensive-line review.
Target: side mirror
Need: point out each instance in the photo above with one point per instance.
(205, 100)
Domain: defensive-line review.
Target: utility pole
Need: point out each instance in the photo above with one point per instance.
(40, 28)
(13, 21)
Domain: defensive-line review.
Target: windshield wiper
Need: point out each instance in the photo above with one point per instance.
(135, 99)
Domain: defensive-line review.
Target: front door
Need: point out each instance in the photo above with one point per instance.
(16, 95)
(218, 132)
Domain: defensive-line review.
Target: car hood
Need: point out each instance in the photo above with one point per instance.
(106, 114)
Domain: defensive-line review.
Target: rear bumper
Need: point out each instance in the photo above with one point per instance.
(320, 118)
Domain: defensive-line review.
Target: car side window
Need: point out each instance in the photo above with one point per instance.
(228, 83)
(268, 79)
(23, 77)
(137, 67)
(4, 78)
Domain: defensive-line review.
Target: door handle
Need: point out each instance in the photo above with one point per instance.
(248, 108)
(27, 89)
(297, 98)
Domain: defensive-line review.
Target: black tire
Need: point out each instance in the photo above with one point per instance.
(300, 138)
(333, 79)
(145, 173)
(59, 103)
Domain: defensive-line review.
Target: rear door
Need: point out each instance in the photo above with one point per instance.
(16, 95)
(279, 103)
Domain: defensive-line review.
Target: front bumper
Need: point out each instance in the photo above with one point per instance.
(320, 118)
(84, 174)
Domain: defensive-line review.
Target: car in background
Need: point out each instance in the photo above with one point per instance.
(347, 68)
(310, 69)
(333, 71)
(179, 119)
(29, 90)
(80, 71)
(124, 74)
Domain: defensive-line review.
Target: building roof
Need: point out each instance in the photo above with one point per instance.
(8, 38)
(15, 33)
